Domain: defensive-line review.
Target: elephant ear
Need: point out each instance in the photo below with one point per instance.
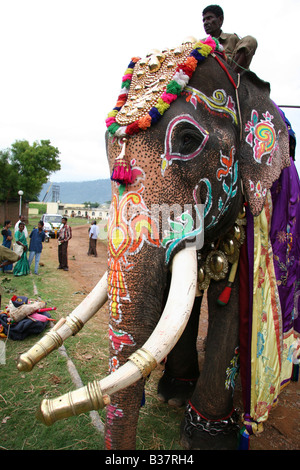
(264, 150)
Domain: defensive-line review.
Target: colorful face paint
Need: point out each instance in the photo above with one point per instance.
(113, 364)
(219, 103)
(171, 153)
(120, 338)
(228, 175)
(262, 137)
(130, 226)
(113, 412)
(257, 188)
(184, 229)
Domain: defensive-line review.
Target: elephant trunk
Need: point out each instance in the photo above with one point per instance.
(139, 364)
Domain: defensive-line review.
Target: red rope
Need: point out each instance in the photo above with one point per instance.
(225, 70)
(220, 419)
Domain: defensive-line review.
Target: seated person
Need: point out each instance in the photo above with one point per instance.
(7, 256)
(239, 52)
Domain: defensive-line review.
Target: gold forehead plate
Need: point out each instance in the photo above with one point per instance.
(150, 78)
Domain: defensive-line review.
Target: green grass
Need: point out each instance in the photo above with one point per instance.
(21, 393)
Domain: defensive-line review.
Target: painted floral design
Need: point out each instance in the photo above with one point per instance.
(232, 371)
(262, 136)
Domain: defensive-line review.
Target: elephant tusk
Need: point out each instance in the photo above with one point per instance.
(178, 307)
(65, 327)
(164, 337)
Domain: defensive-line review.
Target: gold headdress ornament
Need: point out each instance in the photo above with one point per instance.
(149, 86)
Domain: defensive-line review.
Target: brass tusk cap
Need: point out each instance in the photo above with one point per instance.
(74, 403)
(144, 361)
(41, 349)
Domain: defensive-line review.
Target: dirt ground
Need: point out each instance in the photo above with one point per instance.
(281, 431)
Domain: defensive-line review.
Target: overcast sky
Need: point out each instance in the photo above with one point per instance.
(63, 60)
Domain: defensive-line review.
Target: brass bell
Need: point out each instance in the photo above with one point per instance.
(228, 246)
(216, 263)
(237, 232)
(201, 275)
(242, 214)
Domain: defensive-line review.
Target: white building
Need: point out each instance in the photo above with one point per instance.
(78, 210)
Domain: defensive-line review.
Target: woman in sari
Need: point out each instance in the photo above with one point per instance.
(7, 239)
(22, 266)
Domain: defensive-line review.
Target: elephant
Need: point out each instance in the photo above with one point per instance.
(194, 150)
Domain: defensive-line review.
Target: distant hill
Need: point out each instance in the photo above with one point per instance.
(78, 192)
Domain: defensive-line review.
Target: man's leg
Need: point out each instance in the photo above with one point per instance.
(30, 257)
(64, 262)
(60, 256)
(37, 261)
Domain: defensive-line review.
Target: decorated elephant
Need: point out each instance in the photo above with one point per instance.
(205, 197)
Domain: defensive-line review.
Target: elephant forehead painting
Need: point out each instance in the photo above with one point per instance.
(205, 201)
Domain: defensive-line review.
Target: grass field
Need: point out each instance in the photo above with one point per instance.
(21, 393)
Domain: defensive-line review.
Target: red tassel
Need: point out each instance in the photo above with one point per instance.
(122, 170)
(224, 296)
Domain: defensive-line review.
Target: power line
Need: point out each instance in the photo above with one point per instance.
(287, 106)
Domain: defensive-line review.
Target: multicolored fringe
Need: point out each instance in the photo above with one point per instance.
(174, 88)
(244, 440)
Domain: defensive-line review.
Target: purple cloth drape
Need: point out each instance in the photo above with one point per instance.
(285, 239)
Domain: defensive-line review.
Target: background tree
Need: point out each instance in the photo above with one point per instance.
(91, 204)
(26, 167)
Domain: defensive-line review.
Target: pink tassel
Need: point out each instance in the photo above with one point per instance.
(48, 309)
(40, 317)
(122, 172)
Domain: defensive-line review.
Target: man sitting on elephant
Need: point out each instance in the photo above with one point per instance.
(239, 51)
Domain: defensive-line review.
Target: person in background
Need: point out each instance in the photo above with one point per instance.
(21, 219)
(239, 51)
(64, 235)
(93, 237)
(37, 238)
(7, 241)
(21, 268)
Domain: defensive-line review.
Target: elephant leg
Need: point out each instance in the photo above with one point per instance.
(181, 369)
(210, 421)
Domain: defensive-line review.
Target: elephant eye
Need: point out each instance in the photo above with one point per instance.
(184, 140)
(189, 140)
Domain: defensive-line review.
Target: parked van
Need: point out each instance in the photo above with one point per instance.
(52, 224)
